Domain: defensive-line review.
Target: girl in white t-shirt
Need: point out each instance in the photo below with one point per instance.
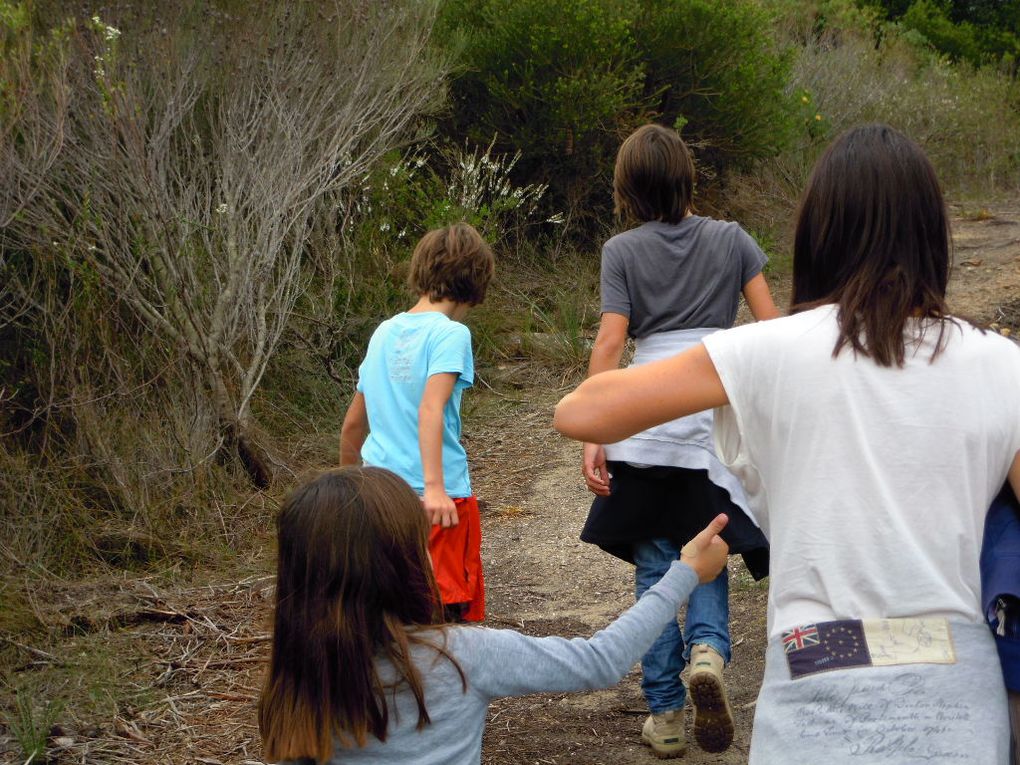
(871, 431)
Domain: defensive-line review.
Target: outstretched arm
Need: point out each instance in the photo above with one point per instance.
(1014, 475)
(614, 405)
(521, 664)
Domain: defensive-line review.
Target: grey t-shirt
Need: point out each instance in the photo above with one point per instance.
(686, 275)
(500, 663)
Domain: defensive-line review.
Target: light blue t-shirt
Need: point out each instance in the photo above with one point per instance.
(403, 353)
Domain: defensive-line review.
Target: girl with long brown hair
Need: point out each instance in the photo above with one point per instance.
(871, 431)
(362, 670)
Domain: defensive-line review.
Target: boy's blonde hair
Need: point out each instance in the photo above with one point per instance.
(452, 263)
(654, 176)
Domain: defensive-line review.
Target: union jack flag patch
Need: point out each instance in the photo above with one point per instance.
(799, 637)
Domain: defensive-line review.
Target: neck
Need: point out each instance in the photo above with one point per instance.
(450, 308)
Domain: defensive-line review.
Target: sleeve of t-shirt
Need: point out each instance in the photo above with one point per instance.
(451, 353)
(1011, 384)
(752, 259)
(615, 298)
(734, 353)
(507, 663)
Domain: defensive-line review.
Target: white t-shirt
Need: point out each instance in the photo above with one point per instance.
(871, 483)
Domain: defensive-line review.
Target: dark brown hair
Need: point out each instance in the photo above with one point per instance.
(452, 263)
(354, 581)
(654, 176)
(873, 237)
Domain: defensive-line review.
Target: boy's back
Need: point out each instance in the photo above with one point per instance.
(686, 275)
(403, 353)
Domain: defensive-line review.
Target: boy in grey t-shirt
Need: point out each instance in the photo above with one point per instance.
(666, 283)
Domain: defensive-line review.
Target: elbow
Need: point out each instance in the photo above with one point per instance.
(609, 349)
(573, 419)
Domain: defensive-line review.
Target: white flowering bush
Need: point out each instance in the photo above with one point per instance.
(413, 193)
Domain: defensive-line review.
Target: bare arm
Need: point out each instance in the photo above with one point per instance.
(759, 299)
(605, 356)
(613, 405)
(353, 431)
(1014, 475)
(609, 342)
(438, 505)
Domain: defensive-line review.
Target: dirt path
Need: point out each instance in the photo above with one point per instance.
(159, 672)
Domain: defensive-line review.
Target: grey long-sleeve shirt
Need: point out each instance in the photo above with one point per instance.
(506, 663)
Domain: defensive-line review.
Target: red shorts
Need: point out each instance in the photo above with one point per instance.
(457, 560)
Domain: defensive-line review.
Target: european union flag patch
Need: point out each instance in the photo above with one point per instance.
(848, 643)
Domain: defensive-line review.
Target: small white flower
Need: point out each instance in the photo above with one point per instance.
(384, 227)
(111, 33)
(221, 208)
(402, 234)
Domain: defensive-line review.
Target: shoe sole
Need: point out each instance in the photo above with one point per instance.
(713, 721)
(664, 754)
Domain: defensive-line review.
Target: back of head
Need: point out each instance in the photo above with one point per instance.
(873, 237)
(452, 263)
(654, 176)
(353, 573)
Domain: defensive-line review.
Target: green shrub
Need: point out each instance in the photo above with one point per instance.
(715, 66)
(987, 31)
(564, 81)
(558, 80)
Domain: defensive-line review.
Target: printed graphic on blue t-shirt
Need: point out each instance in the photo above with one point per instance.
(403, 353)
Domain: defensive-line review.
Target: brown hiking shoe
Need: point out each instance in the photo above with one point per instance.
(665, 734)
(713, 719)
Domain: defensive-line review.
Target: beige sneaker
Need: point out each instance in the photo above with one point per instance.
(713, 719)
(665, 734)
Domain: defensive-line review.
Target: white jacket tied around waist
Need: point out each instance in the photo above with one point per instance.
(686, 442)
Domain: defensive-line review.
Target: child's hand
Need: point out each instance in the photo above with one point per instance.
(440, 509)
(707, 552)
(594, 470)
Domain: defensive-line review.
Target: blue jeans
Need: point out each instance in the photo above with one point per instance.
(707, 622)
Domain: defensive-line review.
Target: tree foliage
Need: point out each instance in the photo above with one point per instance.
(563, 81)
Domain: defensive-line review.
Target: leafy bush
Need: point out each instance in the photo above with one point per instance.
(557, 80)
(715, 66)
(986, 31)
(563, 81)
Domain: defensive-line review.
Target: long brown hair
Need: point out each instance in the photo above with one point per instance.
(354, 580)
(654, 176)
(873, 237)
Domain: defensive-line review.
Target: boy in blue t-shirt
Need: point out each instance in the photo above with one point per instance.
(405, 415)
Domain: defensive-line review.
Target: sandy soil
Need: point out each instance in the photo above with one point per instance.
(166, 673)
